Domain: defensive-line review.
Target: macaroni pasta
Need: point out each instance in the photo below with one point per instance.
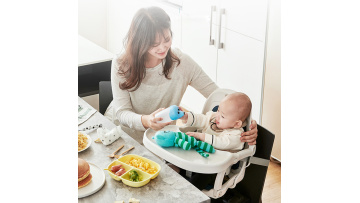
(82, 141)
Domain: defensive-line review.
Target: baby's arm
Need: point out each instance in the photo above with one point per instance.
(198, 136)
(227, 140)
(196, 120)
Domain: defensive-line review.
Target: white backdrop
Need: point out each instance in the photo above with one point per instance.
(92, 21)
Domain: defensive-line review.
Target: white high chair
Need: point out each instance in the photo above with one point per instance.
(220, 162)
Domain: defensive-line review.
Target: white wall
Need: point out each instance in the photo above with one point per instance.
(92, 21)
(271, 118)
(120, 14)
(92, 24)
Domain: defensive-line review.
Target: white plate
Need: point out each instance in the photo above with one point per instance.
(96, 183)
(89, 140)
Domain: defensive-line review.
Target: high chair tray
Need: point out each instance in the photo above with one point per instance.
(189, 160)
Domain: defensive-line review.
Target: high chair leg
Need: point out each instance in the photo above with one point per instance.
(219, 180)
(217, 191)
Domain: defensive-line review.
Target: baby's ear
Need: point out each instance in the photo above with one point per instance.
(238, 124)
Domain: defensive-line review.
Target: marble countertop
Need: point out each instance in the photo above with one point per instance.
(168, 186)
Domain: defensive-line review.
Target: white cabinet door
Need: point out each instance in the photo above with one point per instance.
(247, 17)
(240, 67)
(196, 36)
(196, 18)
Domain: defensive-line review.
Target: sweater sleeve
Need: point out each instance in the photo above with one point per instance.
(227, 140)
(198, 78)
(122, 103)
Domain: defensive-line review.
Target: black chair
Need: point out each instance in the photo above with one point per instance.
(105, 95)
(251, 187)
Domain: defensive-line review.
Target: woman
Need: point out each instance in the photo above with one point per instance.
(150, 76)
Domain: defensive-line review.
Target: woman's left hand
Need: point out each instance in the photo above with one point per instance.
(251, 135)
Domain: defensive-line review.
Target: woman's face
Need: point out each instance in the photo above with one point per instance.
(162, 45)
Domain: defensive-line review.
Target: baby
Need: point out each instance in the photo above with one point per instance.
(223, 128)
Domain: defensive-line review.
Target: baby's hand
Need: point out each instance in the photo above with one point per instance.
(185, 116)
(199, 136)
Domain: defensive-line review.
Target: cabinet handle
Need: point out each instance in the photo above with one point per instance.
(220, 44)
(211, 41)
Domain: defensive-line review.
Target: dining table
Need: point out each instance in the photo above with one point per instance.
(168, 186)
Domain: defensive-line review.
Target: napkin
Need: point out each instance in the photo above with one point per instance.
(84, 113)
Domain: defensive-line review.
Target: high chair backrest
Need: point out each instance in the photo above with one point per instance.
(215, 98)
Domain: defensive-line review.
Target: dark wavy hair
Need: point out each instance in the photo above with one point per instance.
(146, 24)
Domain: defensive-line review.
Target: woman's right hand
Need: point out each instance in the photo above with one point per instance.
(149, 121)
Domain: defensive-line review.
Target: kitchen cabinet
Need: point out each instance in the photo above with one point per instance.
(247, 17)
(240, 67)
(236, 58)
(198, 37)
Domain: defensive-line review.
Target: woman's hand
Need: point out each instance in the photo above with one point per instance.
(251, 135)
(149, 121)
(199, 136)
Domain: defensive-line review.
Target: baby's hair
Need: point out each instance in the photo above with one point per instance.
(244, 104)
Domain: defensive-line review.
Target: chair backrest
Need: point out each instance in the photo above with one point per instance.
(215, 98)
(105, 95)
(253, 183)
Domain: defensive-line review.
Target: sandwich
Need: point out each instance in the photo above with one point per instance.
(84, 175)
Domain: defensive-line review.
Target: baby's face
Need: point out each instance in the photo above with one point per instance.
(226, 116)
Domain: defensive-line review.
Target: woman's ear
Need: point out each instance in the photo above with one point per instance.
(238, 124)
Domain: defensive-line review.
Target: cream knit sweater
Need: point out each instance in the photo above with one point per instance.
(155, 91)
